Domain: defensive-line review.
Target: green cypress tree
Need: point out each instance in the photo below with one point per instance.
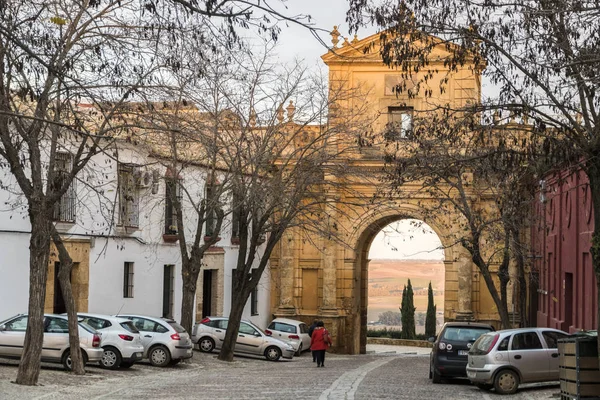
(408, 313)
(410, 331)
(430, 319)
(403, 312)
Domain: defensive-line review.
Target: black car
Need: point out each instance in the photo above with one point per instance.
(450, 348)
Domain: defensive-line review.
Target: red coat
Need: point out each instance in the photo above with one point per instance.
(317, 340)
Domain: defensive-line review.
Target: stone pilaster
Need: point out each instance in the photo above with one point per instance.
(286, 275)
(464, 272)
(329, 263)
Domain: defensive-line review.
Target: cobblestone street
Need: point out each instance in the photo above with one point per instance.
(402, 374)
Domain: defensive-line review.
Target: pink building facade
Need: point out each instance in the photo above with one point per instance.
(563, 284)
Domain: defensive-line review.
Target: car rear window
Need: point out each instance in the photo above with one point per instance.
(128, 326)
(482, 344)
(86, 327)
(281, 327)
(464, 334)
(178, 328)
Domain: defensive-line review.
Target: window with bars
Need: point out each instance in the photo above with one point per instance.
(128, 280)
(173, 190)
(64, 209)
(236, 215)
(254, 301)
(129, 199)
(399, 125)
(212, 198)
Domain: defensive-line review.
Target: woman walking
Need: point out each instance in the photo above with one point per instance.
(319, 342)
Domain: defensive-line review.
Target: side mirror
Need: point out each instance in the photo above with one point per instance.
(432, 339)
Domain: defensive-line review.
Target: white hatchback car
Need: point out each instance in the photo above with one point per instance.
(165, 341)
(55, 347)
(291, 331)
(121, 340)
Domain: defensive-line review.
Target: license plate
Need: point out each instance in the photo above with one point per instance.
(463, 352)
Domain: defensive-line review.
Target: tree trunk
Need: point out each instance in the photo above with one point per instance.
(593, 172)
(39, 248)
(64, 277)
(235, 315)
(190, 270)
(522, 290)
(489, 282)
(504, 278)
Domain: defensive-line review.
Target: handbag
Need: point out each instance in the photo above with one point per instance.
(327, 337)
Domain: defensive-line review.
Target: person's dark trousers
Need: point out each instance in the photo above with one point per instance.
(320, 358)
(314, 354)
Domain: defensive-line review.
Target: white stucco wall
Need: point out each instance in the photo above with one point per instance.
(112, 246)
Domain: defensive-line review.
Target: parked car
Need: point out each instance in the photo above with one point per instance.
(55, 347)
(165, 341)
(504, 359)
(120, 340)
(209, 334)
(290, 331)
(450, 349)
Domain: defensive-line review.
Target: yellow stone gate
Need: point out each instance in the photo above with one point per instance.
(328, 280)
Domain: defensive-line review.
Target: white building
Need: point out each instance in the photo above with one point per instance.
(116, 223)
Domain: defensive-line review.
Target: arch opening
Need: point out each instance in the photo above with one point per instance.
(406, 249)
(365, 241)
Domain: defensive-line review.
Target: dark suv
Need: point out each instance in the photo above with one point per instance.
(450, 348)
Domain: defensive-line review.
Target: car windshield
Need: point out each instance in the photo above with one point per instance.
(260, 330)
(463, 333)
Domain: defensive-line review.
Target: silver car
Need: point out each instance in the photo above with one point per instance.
(504, 359)
(165, 341)
(209, 334)
(55, 347)
(121, 340)
(291, 331)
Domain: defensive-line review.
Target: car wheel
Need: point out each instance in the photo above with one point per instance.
(299, 350)
(206, 344)
(484, 386)
(111, 358)
(159, 356)
(273, 353)
(126, 364)
(506, 382)
(435, 376)
(67, 362)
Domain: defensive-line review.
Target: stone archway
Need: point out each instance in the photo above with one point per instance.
(457, 269)
(320, 278)
(323, 279)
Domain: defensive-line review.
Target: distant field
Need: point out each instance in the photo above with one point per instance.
(388, 277)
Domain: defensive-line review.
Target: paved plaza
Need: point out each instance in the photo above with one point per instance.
(386, 372)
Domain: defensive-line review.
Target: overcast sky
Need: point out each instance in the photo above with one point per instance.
(296, 42)
(404, 240)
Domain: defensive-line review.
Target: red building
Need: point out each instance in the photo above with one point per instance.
(563, 285)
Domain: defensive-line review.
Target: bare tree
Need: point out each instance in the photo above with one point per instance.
(65, 70)
(286, 167)
(463, 170)
(542, 56)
